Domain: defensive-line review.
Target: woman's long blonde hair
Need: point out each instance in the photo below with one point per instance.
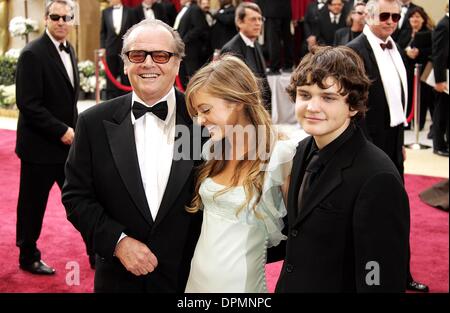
(230, 79)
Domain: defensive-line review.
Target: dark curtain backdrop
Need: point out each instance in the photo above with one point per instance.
(133, 3)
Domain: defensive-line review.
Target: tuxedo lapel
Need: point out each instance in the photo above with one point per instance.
(76, 77)
(297, 173)
(180, 169)
(124, 20)
(261, 57)
(109, 19)
(121, 140)
(54, 54)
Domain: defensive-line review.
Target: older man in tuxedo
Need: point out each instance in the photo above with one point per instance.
(127, 184)
(47, 87)
(384, 124)
(343, 188)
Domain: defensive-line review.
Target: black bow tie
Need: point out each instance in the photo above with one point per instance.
(62, 47)
(387, 45)
(160, 110)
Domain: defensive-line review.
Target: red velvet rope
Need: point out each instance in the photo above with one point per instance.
(113, 79)
(178, 83)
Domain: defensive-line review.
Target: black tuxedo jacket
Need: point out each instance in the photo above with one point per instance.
(358, 213)
(275, 9)
(343, 36)
(170, 11)
(311, 21)
(157, 8)
(238, 47)
(440, 50)
(224, 29)
(193, 30)
(109, 40)
(47, 102)
(377, 121)
(104, 196)
(327, 29)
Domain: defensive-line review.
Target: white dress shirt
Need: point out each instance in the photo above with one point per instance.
(65, 57)
(393, 76)
(154, 145)
(403, 12)
(248, 42)
(148, 11)
(117, 18)
(335, 18)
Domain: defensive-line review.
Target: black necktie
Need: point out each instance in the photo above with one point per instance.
(387, 45)
(160, 110)
(308, 179)
(62, 47)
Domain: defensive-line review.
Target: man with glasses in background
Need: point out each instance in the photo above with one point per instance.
(47, 87)
(386, 116)
(249, 21)
(126, 188)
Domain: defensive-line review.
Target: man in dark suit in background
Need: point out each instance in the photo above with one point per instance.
(193, 29)
(150, 9)
(385, 120)
(128, 182)
(279, 38)
(348, 212)
(440, 66)
(311, 24)
(115, 22)
(47, 87)
(245, 45)
(224, 28)
(331, 19)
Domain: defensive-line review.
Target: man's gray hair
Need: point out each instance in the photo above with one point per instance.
(129, 36)
(373, 10)
(69, 3)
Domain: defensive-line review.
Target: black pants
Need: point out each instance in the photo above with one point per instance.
(279, 31)
(440, 122)
(36, 180)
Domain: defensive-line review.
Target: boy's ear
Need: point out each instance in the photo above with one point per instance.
(353, 112)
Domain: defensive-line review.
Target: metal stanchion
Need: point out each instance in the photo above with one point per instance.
(99, 54)
(416, 100)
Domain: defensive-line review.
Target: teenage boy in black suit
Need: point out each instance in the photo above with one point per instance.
(348, 212)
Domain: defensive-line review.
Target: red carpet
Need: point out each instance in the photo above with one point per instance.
(61, 245)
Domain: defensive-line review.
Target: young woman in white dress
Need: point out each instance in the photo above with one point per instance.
(239, 187)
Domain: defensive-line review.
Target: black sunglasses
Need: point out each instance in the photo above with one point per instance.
(139, 56)
(56, 17)
(386, 15)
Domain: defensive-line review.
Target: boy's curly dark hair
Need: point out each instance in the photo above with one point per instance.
(340, 63)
